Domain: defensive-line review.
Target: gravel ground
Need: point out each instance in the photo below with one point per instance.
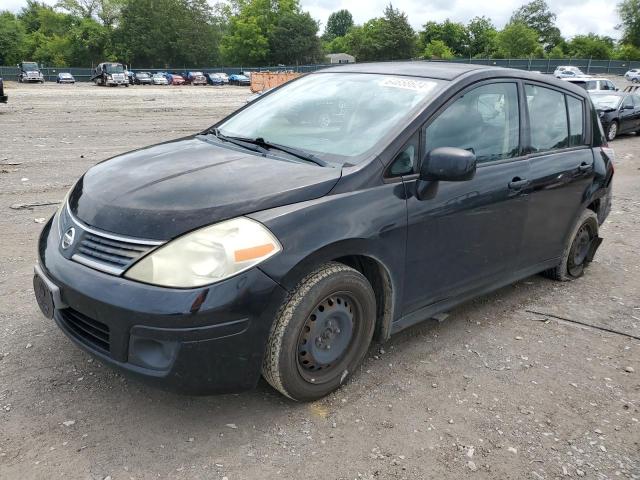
(495, 391)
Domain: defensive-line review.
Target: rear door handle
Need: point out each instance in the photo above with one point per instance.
(586, 167)
(518, 184)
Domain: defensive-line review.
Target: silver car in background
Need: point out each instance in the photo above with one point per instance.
(159, 79)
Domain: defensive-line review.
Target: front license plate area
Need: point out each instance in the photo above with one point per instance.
(44, 296)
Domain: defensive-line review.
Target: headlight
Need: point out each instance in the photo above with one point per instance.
(601, 114)
(207, 255)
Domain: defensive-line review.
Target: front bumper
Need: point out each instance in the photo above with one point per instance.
(196, 341)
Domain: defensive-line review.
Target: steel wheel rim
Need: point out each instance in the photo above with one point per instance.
(579, 250)
(332, 323)
(613, 131)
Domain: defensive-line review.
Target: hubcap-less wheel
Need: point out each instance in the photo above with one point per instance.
(579, 250)
(613, 131)
(326, 336)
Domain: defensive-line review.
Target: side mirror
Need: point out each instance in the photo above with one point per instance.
(448, 164)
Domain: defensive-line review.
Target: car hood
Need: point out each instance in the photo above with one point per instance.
(165, 190)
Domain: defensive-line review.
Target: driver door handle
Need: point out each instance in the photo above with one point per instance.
(586, 167)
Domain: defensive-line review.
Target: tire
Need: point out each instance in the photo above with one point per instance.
(575, 257)
(635, 80)
(333, 306)
(612, 131)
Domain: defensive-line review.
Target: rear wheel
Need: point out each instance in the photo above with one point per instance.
(635, 80)
(321, 333)
(579, 249)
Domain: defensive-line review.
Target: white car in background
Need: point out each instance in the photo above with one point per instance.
(592, 84)
(159, 79)
(567, 71)
(633, 75)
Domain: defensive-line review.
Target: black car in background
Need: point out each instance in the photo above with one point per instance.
(3, 97)
(277, 246)
(619, 112)
(142, 78)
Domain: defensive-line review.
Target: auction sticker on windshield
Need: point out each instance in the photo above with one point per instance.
(408, 84)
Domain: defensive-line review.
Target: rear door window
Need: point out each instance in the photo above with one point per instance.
(575, 108)
(484, 121)
(547, 119)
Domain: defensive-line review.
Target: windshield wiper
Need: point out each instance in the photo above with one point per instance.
(240, 142)
(263, 144)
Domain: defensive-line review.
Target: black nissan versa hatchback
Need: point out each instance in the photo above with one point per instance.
(281, 244)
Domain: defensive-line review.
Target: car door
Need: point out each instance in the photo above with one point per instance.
(628, 115)
(561, 164)
(636, 112)
(461, 235)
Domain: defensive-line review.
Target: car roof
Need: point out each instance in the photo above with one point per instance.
(437, 70)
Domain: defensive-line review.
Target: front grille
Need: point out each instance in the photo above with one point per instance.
(85, 329)
(117, 254)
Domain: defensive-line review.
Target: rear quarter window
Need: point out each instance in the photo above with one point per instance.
(575, 107)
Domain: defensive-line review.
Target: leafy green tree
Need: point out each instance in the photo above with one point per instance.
(263, 31)
(629, 11)
(454, 35)
(338, 25)
(537, 16)
(294, 39)
(591, 46)
(244, 44)
(337, 45)
(89, 42)
(627, 52)
(556, 52)
(517, 40)
(12, 39)
(437, 50)
(482, 36)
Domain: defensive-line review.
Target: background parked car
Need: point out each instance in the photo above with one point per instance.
(215, 79)
(633, 75)
(29, 72)
(175, 79)
(195, 78)
(65, 77)
(223, 76)
(159, 79)
(593, 84)
(142, 78)
(3, 97)
(619, 112)
(239, 79)
(564, 71)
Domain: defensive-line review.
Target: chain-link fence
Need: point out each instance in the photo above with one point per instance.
(588, 66)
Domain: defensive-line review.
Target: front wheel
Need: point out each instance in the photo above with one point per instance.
(612, 131)
(321, 333)
(635, 80)
(581, 246)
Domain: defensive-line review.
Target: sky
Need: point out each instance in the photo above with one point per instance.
(574, 16)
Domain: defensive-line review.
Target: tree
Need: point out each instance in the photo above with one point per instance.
(537, 16)
(12, 39)
(454, 35)
(517, 40)
(437, 50)
(338, 25)
(591, 46)
(294, 39)
(386, 38)
(627, 52)
(482, 36)
(629, 11)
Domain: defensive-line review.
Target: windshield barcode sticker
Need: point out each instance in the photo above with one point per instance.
(408, 84)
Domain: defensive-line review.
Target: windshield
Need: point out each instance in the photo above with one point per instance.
(143, 75)
(65, 75)
(333, 114)
(196, 74)
(605, 102)
(30, 66)
(114, 68)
